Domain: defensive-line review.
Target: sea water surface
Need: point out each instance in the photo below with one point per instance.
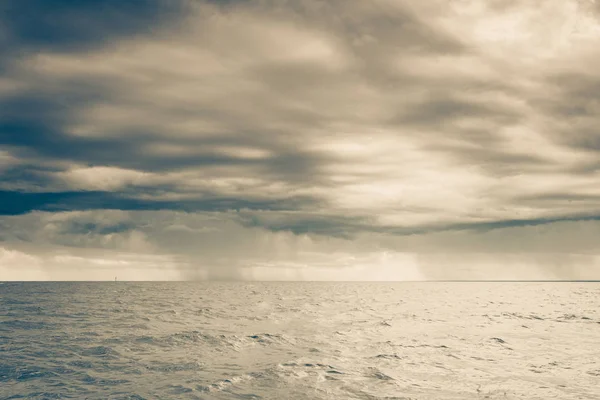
(120, 340)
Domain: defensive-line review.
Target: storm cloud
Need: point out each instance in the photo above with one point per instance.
(299, 140)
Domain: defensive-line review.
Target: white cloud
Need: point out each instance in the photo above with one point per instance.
(100, 178)
(7, 160)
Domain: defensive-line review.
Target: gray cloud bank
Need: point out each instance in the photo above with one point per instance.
(300, 140)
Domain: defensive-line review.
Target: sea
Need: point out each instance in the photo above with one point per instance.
(299, 340)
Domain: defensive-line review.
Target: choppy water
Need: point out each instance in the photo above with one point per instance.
(300, 340)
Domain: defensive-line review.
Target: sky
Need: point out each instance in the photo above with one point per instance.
(299, 140)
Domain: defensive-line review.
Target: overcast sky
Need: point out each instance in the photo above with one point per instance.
(335, 140)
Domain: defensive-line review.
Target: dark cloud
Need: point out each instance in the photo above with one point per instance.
(14, 203)
(328, 225)
(351, 227)
(561, 197)
(85, 228)
(28, 177)
(37, 123)
(585, 168)
(575, 102)
(441, 110)
(487, 153)
(35, 126)
(64, 25)
(521, 222)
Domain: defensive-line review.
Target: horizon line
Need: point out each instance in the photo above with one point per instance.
(329, 281)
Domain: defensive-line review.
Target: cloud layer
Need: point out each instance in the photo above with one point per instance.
(384, 132)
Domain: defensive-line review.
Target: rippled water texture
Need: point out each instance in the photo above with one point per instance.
(300, 340)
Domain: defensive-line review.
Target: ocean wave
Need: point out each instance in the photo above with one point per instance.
(297, 341)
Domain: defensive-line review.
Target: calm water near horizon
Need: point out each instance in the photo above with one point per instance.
(317, 340)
